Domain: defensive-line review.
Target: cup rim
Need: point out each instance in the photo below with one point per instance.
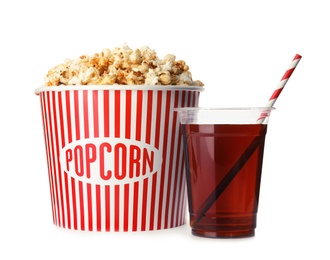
(223, 108)
(117, 87)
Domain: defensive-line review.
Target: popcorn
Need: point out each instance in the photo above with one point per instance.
(122, 66)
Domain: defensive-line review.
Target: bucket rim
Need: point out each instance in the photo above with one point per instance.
(117, 87)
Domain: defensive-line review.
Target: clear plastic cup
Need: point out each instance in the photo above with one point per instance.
(224, 150)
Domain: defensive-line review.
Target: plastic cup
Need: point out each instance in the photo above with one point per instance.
(115, 156)
(223, 155)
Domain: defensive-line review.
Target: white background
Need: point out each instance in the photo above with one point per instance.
(240, 50)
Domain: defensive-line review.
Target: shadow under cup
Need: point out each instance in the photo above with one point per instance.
(223, 156)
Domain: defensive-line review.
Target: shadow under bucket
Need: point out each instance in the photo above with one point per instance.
(115, 156)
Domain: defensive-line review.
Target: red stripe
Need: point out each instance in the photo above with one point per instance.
(117, 113)
(98, 207)
(276, 93)
(57, 146)
(76, 111)
(190, 102)
(65, 176)
(181, 183)
(106, 102)
(53, 164)
(158, 118)
(176, 190)
(165, 155)
(68, 116)
(139, 103)
(196, 102)
(96, 113)
(86, 135)
(189, 99)
(177, 162)
(135, 206)
(96, 134)
(262, 115)
(297, 57)
(287, 74)
(176, 194)
(90, 207)
(116, 208)
(171, 158)
(51, 160)
(183, 203)
(66, 184)
(154, 177)
(81, 200)
(74, 204)
(149, 117)
(126, 209)
(69, 132)
(106, 105)
(47, 142)
(148, 128)
(128, 114)
(85, 108)
(60, 112)
(77, 123)
(182, 192)
(144, 204)
(152, 201)
(107, 208)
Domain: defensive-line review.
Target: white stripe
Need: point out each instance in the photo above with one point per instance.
(281, 84)
(294, 64)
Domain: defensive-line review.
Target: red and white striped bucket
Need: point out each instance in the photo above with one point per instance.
(115, 156)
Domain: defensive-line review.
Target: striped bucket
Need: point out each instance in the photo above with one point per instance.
(115, 156)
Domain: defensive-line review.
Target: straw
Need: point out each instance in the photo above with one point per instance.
(222, 185)
(280, 87)
(226, 180)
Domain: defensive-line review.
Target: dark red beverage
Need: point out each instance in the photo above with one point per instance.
(223, 170)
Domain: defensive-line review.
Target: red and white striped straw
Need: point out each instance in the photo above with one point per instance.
(280, 86)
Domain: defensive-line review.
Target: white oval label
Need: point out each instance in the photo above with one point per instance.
(110, 160)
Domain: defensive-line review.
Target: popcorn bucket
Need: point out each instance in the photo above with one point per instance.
(115, 156)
